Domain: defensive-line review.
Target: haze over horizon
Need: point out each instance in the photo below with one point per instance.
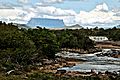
(87, 13)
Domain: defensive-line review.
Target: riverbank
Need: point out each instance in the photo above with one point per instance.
(50, 69)
(77, 75)
(47, 71)
(68, 75)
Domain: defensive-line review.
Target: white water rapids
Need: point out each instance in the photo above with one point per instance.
(94, 62)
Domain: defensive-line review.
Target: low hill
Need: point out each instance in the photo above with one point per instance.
(77, 26)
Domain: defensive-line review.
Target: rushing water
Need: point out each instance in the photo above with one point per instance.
(101, 64)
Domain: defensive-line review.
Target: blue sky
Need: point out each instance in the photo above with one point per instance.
(88, 13)
(87, 5)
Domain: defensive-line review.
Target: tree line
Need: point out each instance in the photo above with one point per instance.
(22, 47)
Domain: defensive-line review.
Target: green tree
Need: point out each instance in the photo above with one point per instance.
(16, 48)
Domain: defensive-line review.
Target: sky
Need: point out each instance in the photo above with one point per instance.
(87, 13)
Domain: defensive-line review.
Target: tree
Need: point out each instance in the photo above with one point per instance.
(45, 42)
(16, 47)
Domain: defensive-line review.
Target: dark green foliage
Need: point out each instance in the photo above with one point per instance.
(45, 42)
(22, 47)
(16, 48)
(73, 39)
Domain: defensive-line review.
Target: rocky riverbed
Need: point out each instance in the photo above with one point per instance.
(68, 64)
(106, 60)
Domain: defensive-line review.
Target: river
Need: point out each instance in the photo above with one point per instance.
(92, 62)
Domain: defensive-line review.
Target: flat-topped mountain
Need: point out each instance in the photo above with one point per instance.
(46, 22)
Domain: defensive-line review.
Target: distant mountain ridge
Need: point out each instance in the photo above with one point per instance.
(46, 22)
(118, 26)
(76, 26)
(21, 25)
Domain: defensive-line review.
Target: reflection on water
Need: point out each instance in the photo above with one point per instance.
(93, 62)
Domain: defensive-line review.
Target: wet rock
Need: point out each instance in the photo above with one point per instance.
(114, 73)
(47, 62)
(38, 64)
(60, 59)
(118, 72)
(9, 72)
(93, 72)
(116, 56)
(109, 53)
(25, 78)
(100, 73)
(18, 72)
(61, 71)
(69, 64)
(108, 73)
(41, 68)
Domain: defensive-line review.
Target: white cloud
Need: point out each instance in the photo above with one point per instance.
(5, 6)
(18, 14)
(57, 1)
(11, 15)
(52, 1)
(8, 5)
(98, 16)
(102, 7)
(23, 1)
(51, 12)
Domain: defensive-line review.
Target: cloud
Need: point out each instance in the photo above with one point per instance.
(12, 15)
(6, 6)
(23, 1)
(57, 1)
(20, 15)
(102, 7)
(99, 16)
(52, 1)
(11, 12)
(51, 12)
(117, 14)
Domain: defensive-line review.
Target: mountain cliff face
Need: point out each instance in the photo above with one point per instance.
(45, 22)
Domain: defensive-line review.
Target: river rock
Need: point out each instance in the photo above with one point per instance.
(61, 71)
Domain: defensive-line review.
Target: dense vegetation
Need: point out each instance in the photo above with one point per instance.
(20, 48)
